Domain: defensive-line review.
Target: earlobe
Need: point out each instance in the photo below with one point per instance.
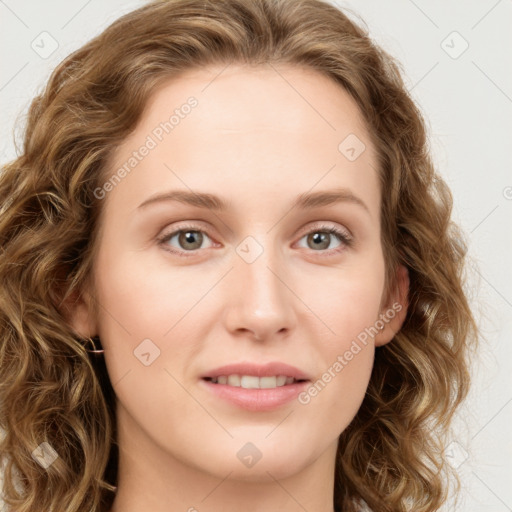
(394, 313)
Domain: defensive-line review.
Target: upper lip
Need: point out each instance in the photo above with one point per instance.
(258, 370)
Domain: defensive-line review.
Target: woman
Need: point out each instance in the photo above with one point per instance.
(233, 205)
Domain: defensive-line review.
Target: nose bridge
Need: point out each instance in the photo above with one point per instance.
(260, 301)
(261, 282)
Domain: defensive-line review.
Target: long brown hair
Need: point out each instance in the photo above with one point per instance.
(390, 456)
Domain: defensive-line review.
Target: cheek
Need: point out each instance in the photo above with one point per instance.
(345, 345)
(152, 313)
(144, 299)
(146, 322)
(348, 305)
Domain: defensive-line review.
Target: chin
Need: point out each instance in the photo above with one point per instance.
(280, 463)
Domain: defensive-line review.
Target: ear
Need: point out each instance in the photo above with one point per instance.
(394, 312)
(79, 313)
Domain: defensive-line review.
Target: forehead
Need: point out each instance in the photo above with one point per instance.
(282, 97)
(253, 127)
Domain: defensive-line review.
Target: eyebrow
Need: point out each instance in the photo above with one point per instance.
(304, 201)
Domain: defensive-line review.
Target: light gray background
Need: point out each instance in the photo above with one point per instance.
(467, 99)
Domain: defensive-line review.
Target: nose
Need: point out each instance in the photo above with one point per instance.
(260, 302)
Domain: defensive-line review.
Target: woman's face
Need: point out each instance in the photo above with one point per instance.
(216, 250)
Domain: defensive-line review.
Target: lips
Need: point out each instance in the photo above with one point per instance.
(256, 387)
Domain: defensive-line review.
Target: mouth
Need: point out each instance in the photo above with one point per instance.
(256, 387)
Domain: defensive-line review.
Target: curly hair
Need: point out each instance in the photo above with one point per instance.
(390, 458)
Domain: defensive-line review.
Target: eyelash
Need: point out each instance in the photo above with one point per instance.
(346, 240)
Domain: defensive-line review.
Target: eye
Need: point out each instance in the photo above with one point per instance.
(322, 237)
(188, 239)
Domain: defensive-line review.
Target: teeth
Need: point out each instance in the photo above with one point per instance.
(249, 382)
(253, 382)
(281, 380)
(234, 380)
(268, 382)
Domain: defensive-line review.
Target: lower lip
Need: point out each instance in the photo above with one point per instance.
(256, 399)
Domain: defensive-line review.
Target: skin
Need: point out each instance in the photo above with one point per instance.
(258, 143)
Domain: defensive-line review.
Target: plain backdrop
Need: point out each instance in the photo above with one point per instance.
(457, 65)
